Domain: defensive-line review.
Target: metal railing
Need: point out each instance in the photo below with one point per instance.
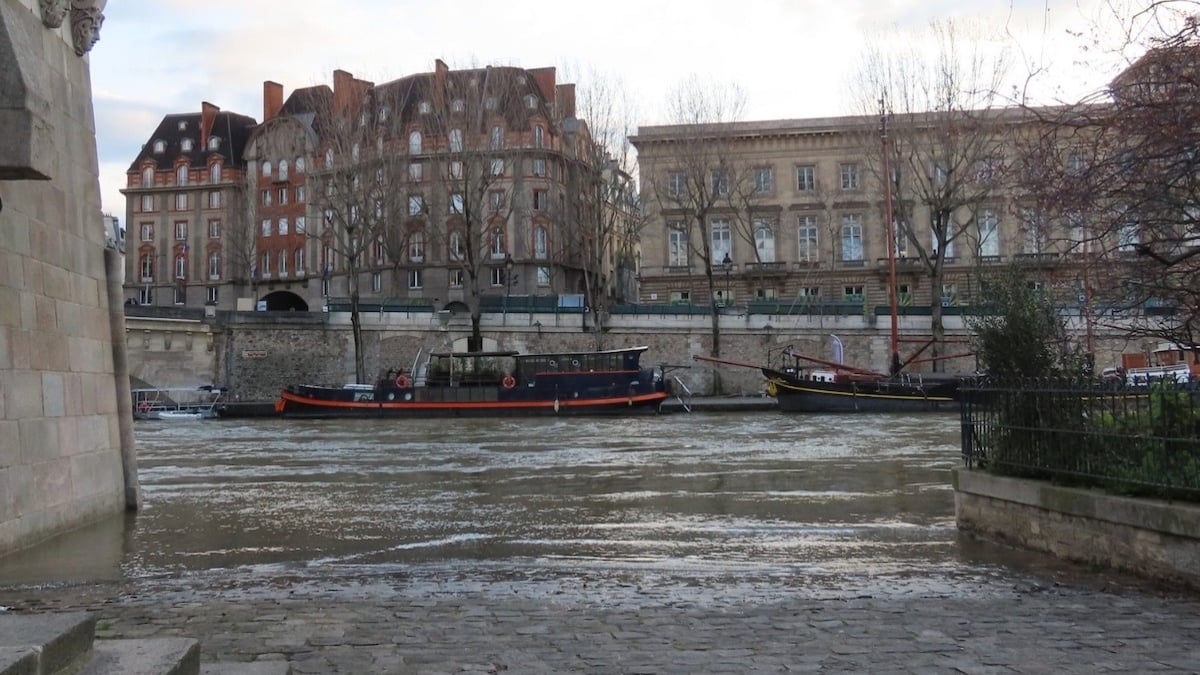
(1138, 441)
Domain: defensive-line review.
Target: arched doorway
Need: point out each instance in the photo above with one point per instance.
(285, 301)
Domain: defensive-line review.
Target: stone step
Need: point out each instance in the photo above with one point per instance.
(58, 642)
(149, 656)
(247, 668)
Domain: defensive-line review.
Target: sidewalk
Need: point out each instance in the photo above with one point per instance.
(649, 624)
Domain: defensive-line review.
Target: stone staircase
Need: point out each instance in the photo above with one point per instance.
(66, 644)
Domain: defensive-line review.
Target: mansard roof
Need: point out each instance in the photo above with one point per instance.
(233, 130)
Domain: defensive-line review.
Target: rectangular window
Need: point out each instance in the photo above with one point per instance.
(540, 200)
(266, 198)
(211, 295)
(677, 245)
(266, 227)
(181, 230)
(949, 295)
(416, 205)
(764, 239)
(147, 231)
(764, 180)
(376, 282)
(543, 276)
(496, 199)
(181, 201)
(180, 267)
(180, 294)
(456, 278)
(283, 226)
(299, 224)
(806, 238)
(456, 170)
(283, 264)
(214, 266)
(214, 199)
(497, 276)
(282, 195)
(852, 237)
(299, 260)
(214, 229)
(539, 167)
(301, 194)
(456, 203)
(853, 294)
(989, 236)
(416, 171)
(147, 203)
(676, 185)
(720, 183)
(722, 240)
(810, 293)
(849, 176)
(806, 178)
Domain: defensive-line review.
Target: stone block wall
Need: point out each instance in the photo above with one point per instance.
(60, 431)
(1153, 539)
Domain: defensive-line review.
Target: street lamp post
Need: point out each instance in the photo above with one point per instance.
(727, 264)
(508, 270)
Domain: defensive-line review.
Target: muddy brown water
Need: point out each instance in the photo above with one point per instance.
(834, 505)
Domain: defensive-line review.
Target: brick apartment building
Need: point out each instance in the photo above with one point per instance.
(423, 191)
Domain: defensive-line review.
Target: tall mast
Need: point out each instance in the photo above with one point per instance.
(890, 226)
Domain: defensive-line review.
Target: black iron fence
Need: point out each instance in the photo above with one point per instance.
(1137, 441)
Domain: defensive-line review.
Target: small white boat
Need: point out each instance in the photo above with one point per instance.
(197, 403)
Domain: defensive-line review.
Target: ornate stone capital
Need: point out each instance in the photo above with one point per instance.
(54, 11)
(86, 18)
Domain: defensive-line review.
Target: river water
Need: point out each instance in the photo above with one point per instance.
(833, 504)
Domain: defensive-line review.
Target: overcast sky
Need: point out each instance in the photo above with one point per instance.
(792, 58)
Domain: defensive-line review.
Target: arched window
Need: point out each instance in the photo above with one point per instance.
(214, 172)
(266, 169)
(299, 260)
(497, 137)
(214, 265)
(148, 177)
(300, 164)
(283, 263)
(414, 143)
(283, 169)
(146, 265)
(456, 140)
(181, 174)
(214, 143)
(160, 147)
(539, 136)
(180, 265)
(541, 246)
(416, 246)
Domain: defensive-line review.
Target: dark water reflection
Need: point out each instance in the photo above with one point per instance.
(815, 498)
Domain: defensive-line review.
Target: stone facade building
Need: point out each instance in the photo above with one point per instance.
(437, 189)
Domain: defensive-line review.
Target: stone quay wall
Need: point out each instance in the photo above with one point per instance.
(257, 354)
(1152, 539)
(63, 418)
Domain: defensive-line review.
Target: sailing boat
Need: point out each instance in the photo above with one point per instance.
(837, 387)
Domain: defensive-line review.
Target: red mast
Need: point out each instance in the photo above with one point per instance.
(891, 236)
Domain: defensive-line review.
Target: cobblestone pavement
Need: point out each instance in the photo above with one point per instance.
(643, 622)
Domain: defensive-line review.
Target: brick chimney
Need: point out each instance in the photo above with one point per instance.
(272, 99)
(440, 73)
(208, 115)
(564, 101)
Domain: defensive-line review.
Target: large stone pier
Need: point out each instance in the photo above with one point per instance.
(63, 439)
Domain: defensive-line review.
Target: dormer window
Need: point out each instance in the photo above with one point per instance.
(383, 113)
(458, 105)
(185, 145)
(182, 125)
(531, 101)
(214, 143)
(424, 108)
(489, 103)
(160, 147)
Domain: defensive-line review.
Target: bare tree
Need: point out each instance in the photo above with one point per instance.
(941, 141)
(1119, 171)
(611, 215)
(693, 181)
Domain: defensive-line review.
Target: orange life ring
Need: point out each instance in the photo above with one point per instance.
(509, 382)
(144, 407)
(403, 382)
